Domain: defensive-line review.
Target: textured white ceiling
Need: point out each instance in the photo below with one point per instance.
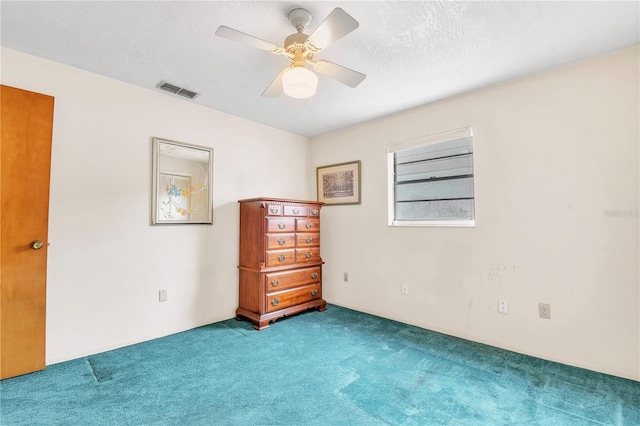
(412, 52)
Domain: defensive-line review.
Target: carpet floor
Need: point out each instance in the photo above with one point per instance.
(338, 367)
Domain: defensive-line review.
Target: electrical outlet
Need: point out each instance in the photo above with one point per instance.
(346, 277)
(503, 306)
(405, 288)
(544, 309)
(162, 295)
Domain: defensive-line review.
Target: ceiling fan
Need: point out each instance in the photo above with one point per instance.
(296, 80)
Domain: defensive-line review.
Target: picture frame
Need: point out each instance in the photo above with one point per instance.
(182, 183)
(339, 184)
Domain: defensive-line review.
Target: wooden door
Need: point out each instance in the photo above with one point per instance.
(26, 124)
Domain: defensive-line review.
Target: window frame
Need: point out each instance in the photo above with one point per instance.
(417, 143)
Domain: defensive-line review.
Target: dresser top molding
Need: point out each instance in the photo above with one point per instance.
(281, 200)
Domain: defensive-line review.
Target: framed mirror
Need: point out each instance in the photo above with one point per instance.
(182, 183)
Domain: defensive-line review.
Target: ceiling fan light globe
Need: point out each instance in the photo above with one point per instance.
(299, 83)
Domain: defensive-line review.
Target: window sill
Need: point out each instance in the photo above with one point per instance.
(440, 223)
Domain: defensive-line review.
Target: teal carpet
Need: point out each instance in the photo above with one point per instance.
(338, 367)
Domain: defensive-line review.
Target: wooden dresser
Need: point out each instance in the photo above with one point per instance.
(280, 265)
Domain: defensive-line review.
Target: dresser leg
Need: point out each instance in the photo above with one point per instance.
(261, 325)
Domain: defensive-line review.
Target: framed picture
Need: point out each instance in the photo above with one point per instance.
(182, 187)
(339, 183)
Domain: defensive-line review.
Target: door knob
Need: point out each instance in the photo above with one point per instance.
(37, 245)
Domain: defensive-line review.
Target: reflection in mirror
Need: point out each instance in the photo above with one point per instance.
(182, 187)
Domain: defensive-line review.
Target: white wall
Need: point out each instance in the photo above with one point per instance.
(557, 185)
(106, 263)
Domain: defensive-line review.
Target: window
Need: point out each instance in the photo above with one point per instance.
(431, 180)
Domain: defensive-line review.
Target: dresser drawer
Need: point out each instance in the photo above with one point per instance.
(308, 225)
(281, 224)
(280, 258)
(314, 211)
(284, 299)
(296, 211)
(274, 209)
(307, 240)
(308, 255)
(280, 241)
(284, 280)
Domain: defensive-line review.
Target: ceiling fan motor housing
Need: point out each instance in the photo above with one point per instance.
(295, 43)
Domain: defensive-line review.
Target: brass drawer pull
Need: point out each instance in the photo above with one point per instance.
(308, 225)
(308, 255)
(274, 210)
(314, 292)
(281, 226)
(275, 282)
(314, 212)
(275, 301)
(296, 211)
(281, 241)
(281, 258)
(309, 240)
(314, 275)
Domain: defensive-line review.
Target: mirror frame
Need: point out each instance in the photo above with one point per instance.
(156, 183)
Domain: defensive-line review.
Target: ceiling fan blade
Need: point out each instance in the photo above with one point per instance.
(337, 25)
(275, 88)
(342, 74)
(235, 35)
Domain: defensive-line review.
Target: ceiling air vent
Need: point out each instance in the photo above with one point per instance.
(177, 90)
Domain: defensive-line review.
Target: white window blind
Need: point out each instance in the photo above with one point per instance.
(431, 180)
